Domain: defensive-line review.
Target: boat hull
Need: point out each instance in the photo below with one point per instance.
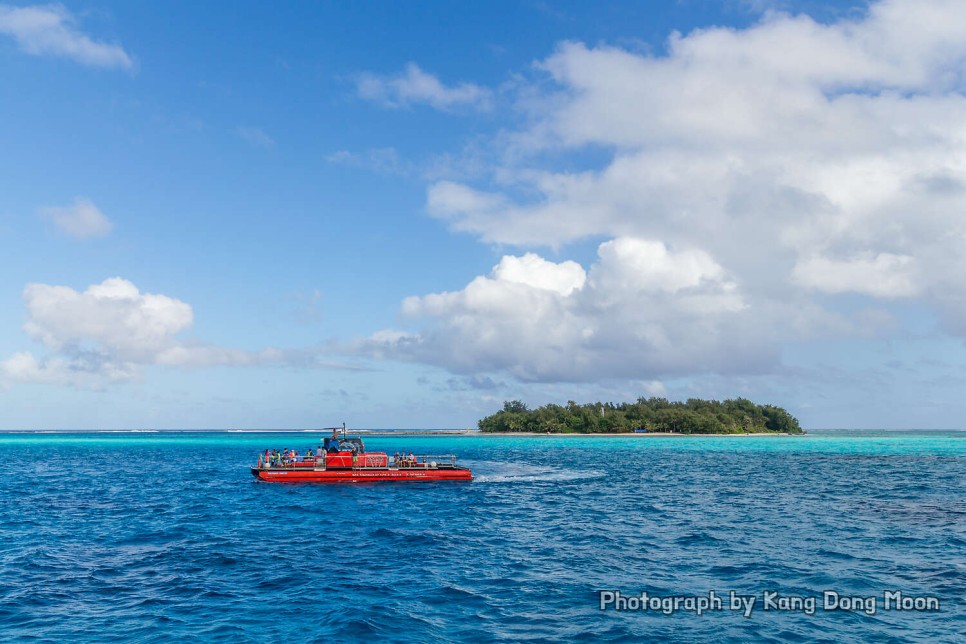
(305, 475)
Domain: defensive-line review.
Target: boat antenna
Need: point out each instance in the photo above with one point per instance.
(343, 430)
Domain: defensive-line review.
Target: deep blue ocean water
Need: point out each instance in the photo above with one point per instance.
(152, 537)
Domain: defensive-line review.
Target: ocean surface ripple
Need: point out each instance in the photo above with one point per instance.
(152, 537)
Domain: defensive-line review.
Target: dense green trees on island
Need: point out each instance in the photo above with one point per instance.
(653, 414)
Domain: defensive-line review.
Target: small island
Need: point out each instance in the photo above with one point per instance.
(647, 415)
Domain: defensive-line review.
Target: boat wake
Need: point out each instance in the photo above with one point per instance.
(495, 472)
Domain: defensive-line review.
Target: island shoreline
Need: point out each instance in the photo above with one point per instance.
(472, 432)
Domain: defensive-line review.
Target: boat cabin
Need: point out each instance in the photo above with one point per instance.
(344, 444)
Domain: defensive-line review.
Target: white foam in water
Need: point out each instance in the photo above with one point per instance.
(496, 472)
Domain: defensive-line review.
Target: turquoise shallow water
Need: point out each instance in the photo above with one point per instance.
(148, 537)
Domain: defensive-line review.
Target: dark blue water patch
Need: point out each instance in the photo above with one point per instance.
(154, 538)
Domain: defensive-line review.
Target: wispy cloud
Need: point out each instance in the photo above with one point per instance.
(413, 86)
(50, 30)
(256, 137)
(470, 162)
(379, 160)
(81, 220)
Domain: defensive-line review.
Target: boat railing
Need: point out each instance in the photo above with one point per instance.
(424, 461)
(316, 461)
(373, 461)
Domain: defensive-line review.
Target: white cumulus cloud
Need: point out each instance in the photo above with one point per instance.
(533, 270)
(545, 321)
(745, 179)
(110, 332)
(884, 275)
(50, 30)
(633, 265)
(113, 315)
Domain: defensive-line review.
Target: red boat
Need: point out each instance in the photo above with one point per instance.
(345, 459)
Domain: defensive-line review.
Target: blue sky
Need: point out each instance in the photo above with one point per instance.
(402, 214)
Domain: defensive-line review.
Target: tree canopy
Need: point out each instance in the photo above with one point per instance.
(694, 416)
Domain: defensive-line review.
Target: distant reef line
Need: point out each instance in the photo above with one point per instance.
(646, 415)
